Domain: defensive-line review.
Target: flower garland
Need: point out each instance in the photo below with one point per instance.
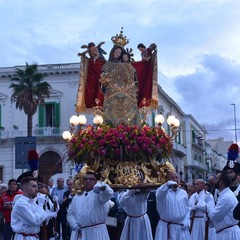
(120, 143)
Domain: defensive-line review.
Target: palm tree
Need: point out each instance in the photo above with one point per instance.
(29, 91)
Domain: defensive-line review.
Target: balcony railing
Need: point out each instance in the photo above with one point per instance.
(38, 132)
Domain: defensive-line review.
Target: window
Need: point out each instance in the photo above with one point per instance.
(49, 115)
(178, 137)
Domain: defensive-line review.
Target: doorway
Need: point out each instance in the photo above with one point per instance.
(50, 163)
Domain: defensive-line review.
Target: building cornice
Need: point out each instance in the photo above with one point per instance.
(50, 69)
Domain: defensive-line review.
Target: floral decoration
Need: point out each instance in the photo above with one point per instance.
(120, 143)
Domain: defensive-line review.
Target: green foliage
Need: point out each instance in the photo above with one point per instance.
(29, 90)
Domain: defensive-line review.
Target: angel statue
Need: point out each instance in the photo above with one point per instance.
(95, 52)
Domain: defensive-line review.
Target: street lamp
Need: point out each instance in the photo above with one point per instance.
(235, 121)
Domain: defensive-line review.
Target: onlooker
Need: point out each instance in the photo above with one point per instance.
(50, 185)
(222, 214)
(6, 201)
(3, 188)
(173, 209)
(67, 199)
(59, 191)
(152, 211)
(27, 216)
(88, 211)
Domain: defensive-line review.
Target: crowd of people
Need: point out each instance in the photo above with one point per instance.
(175, 210)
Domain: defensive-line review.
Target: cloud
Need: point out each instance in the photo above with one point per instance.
(198, 43)
(208, 92)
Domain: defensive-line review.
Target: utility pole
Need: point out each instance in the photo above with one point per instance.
(235, 121)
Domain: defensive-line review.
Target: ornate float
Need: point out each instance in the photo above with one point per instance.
(120, 147)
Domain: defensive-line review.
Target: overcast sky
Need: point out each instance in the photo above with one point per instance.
(198, 45)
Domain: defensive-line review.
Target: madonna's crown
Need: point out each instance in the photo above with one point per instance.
(119, 39)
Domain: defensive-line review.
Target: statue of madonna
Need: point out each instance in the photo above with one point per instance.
(118, 82)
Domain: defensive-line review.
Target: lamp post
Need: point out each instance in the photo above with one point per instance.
(235, 121)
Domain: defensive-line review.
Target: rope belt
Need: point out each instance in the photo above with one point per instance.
(136, 216)
(93, 225)
(29, 235)
(218, 231)
(168, 227)
(197, 217)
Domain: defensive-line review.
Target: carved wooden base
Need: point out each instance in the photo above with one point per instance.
(127, 175)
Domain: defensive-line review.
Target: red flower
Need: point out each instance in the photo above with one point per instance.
(119, 143)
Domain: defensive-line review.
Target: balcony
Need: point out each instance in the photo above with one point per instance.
(37, 132)
(197, 165)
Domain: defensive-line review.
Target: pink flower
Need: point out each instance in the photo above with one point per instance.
(113, 143)
(135, 148)
(117, 151)
(108, 137)
(102, 142)
(139, 140)
(102, 152)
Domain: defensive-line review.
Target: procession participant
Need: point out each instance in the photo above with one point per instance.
(232, 168)
(88, 211)
(6, 201)
(172, 206)
(190, 190)
(137, 224)
(222, 214)
(236, 212)
(46, 229)
(199, 226)
(27, 216)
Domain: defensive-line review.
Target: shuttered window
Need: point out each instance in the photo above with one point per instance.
(49, 115)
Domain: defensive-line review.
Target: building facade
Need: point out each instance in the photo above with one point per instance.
(52, 118)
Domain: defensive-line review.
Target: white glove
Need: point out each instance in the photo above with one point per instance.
(111, 204)
(194, 208)
(51, 214)
(55, 198)
(170, 182)
(205, 218)
(98, 187)
(184, 226)
(76, 227)
(41, 199)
